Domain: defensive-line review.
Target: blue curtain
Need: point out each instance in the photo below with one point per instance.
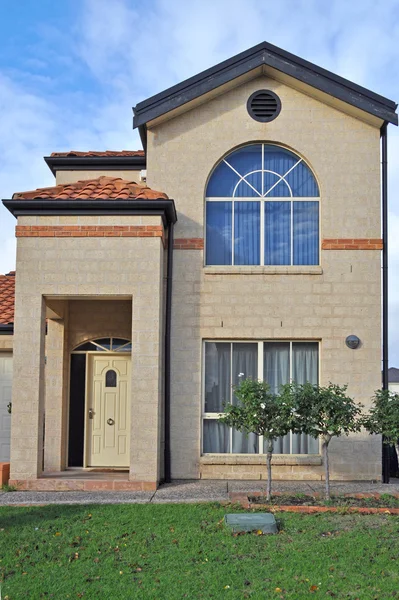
(218, 233)
(246, 233)
(277, 233)
(248, 159)
(302, 182)
(222, 182)
(306, 233)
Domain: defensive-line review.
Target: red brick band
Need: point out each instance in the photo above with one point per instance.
(188, 244)
(89, 231)
(157, 231)
(352, 244)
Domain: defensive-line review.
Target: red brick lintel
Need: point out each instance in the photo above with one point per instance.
(352, 244)
(89, 231)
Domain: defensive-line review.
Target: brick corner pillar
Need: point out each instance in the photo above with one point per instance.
(28, 387)
(147, 382)
(55, 425)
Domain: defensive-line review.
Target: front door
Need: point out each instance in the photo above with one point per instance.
(108, 411)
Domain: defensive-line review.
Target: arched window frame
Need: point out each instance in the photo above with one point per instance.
(298, 245)
(109, 344)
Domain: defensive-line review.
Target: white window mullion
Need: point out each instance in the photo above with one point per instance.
(290, 382)
(262, 232)
(263, 168)
(231, 393)
(292, 233)
(232, 231)
(260, 378)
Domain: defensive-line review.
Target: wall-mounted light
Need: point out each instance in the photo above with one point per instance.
(352, 341)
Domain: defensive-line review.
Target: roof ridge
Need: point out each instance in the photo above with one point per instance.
(97, 153)
(104, 186)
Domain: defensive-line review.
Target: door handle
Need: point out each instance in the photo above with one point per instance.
(91, 413)
(110, 421)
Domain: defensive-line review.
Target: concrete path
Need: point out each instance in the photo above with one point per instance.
(191, 491)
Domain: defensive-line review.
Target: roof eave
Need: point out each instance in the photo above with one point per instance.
(267, 55)
(50, 206)
(6, 328)
(94, 163)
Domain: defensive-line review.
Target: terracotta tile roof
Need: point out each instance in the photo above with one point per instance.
(93, 153)
(93, 189)
(7, 294)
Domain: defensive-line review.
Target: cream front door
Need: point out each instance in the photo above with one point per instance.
(108, 411)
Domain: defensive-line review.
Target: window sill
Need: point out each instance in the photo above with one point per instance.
(260, 459)
(266, 270)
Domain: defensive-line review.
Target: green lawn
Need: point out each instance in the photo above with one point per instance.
(184, 551)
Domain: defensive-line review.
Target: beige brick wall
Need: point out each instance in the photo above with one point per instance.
(127, 273)
(72, 176)
(6, 342)
(326, 304)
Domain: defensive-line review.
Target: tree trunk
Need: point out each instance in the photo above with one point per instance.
(397, 452)
(269, 469)
(326, 440)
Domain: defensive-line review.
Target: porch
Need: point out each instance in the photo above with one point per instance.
(83, 480)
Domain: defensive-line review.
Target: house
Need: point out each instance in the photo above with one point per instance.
(393, 379)
(244, 239)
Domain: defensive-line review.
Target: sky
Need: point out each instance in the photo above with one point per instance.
(71, 70)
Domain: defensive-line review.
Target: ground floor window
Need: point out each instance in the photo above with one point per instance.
(276, 362)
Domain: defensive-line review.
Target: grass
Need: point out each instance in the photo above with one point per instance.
(172, 552)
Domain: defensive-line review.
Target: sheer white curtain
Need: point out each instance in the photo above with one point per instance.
(245, 362)
(304, 366)
(276, 371)
(216, 436)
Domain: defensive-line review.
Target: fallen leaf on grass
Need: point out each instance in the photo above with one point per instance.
(74, 556)
(313, 588)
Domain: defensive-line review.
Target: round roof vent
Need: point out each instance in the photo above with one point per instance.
(264, 106)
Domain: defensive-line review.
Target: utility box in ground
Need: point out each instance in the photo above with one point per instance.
(264, 522)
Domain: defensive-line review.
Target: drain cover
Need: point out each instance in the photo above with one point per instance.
(264, 522)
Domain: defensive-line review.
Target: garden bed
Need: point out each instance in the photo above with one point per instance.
(362, 503)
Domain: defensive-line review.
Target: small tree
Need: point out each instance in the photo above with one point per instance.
(384, 417)
(324, 412)
(260, 412)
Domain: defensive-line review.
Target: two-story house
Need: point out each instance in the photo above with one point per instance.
(245, 240)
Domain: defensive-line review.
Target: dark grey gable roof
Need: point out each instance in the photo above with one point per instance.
(393, 375)
(268, 55)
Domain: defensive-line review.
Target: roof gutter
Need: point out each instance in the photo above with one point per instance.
(385, 383)
(54, 206)
(94, 163)
(6, 329)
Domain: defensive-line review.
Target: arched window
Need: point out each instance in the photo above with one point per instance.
(262, 208)
(105, 345)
